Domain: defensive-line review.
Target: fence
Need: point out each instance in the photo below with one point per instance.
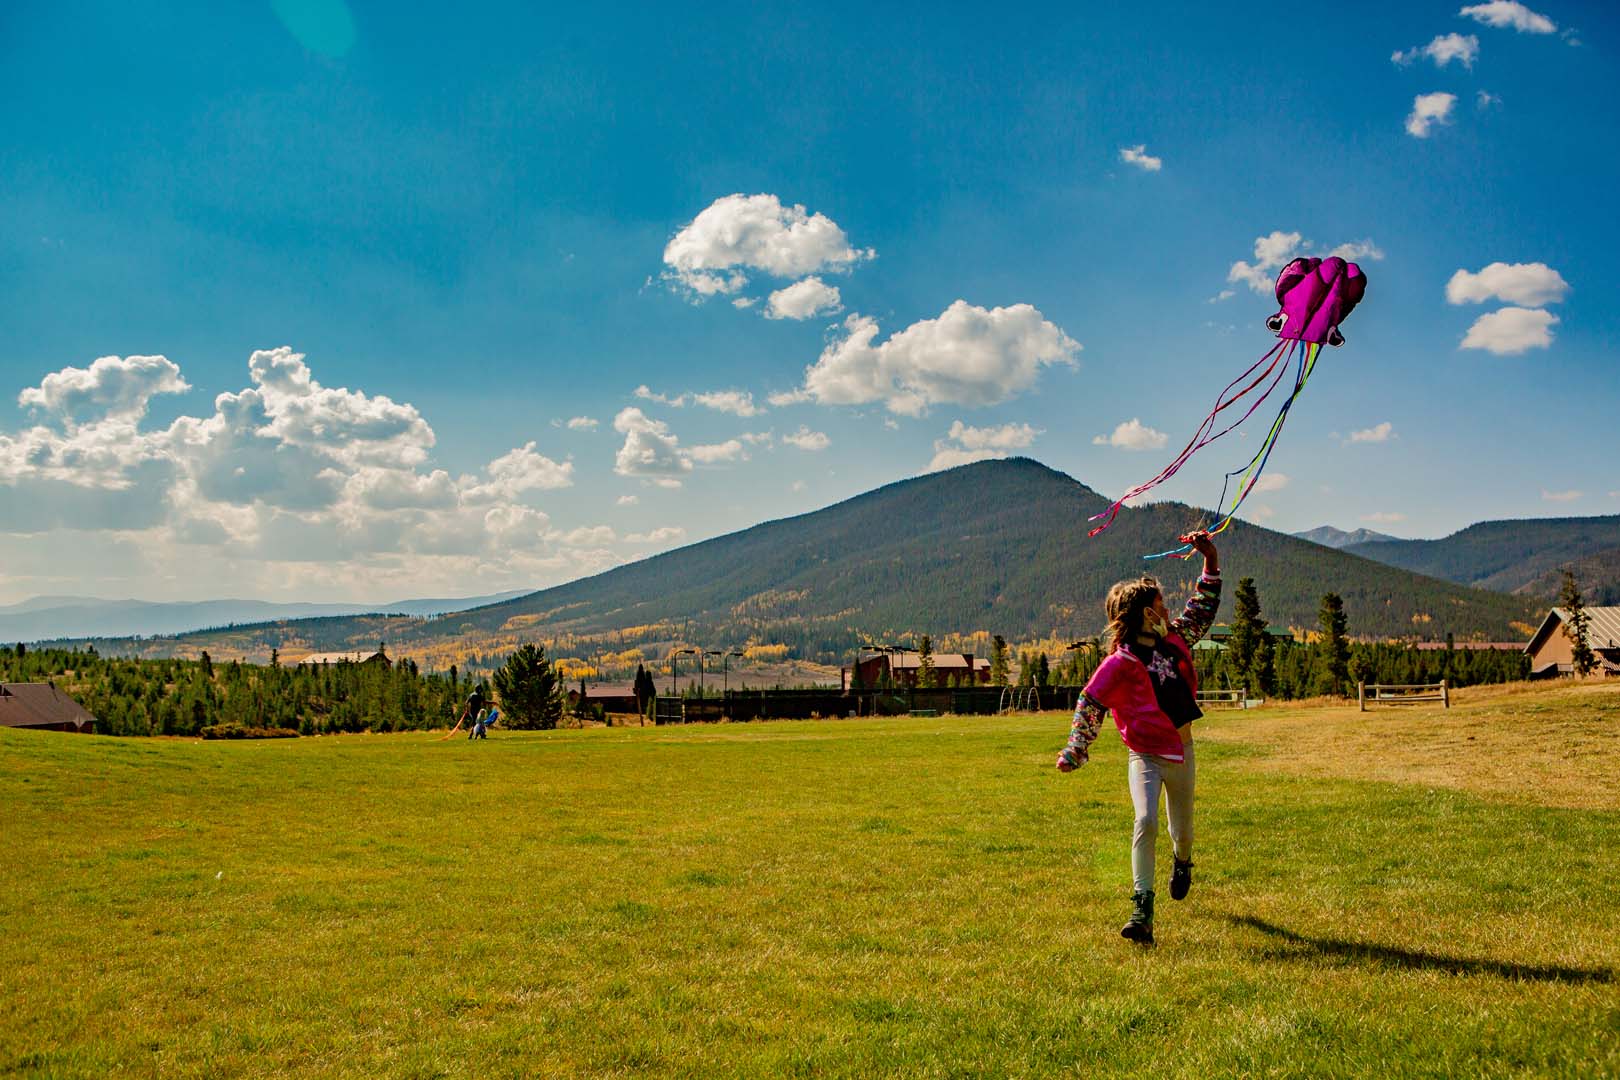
(746, 705)
(1402, 694)
(1222, 699)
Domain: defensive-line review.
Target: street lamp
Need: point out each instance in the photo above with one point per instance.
(674, 672)
(725, 669)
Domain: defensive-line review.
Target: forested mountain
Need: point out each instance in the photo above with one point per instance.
(1328, 536)
(995, 546)
(1500, 555)
(1597, 575)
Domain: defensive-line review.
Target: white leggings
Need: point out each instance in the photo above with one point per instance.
(1148, 774)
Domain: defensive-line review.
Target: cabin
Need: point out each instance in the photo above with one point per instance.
(351, 657)
(42, 707)
(1552, 653)
(613, 697)
(900, 666)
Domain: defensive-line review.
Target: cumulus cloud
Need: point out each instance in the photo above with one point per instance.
(664, 534)
(805, 439)
(963, 444)
(628, 500)
(1442, 50)
(1561, 496)
(286, 483)
(1511, 331)
(1270, 482)
(1376, 434)
(1137, 155)
(737, 234)
(967, 356)
(803, 299)
(111, 387)
(736, 402)
(1484, 99)
(1509, 14)
(1132, 434)
(582, 423)
(713, 453)
(651, 451)
(1527, 284)
(1427, 111)
(1277, 249)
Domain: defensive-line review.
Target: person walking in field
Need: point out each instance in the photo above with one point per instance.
(1147, 682)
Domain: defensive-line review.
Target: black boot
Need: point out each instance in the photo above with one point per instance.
(1181, 879)
(1140, 928)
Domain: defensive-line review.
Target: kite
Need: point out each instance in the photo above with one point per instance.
(1314, 297)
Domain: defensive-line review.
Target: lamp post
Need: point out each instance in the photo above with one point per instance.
(725, 670)
(674, 673)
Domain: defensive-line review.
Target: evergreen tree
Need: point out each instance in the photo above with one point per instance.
(1577, 627)
(1248, 637)
(1043, 671)
(530, 692)
(1333, 676)
(207, 665)
(998, 661)
(645, 688)
(925, 663)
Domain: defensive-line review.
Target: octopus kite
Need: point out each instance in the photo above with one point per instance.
(1314, 297)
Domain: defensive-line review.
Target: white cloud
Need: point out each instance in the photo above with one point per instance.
(805, 439)
(1443, 50)
(518, 471)
(1509, 14)
(582, 423)
(1376, 434)
(1527, 284)
(740, 233)
(662, 535)
(736, 402)
(645, 394)
(1484, 99)
(583, 536)
(628, 500)
(1270, 482)
(651, 451)
(110, 388)
(796, 486)
(1137, 155)
(755, 438)
(713, 453)
(1561, 496)
(1358, 251)
(804, 299)
(1511, 331)
(963, 444)
(1277, 249)
(788, 397)
(1132, 434)
(742, 303)
(1427, 111)
(1384, 517)
(967, 356)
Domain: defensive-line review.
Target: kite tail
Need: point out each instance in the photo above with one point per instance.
(1277, 355)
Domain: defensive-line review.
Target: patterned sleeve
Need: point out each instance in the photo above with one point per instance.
(1195, 622)
(1088, 717)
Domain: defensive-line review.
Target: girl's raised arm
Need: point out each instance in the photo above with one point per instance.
(1199, 616)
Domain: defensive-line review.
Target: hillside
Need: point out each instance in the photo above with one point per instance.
(996, 546)
(1598, 576)
(1500, 555)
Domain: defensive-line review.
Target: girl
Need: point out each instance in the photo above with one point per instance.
(1147, 682)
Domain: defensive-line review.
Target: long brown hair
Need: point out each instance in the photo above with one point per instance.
(1124, 606)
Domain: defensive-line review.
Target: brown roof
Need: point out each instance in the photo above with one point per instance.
(1472, 646)
(1602, 627)
(941, 660)
(37, 704)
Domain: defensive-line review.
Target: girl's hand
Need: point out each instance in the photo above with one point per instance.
(1201, 542)
(1070, 759)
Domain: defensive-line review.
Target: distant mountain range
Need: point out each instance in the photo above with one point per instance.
(1328, 536)
(996, 546)
(46, 617)
(1514, 556)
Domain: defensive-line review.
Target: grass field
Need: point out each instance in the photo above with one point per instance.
(1409, 893)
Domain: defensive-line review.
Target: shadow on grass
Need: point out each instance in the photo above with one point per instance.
(1300, 945)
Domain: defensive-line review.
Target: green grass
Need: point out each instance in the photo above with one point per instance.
(915, 897)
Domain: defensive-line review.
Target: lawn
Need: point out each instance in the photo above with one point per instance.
(1413, 893)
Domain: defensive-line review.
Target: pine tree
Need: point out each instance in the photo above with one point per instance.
(925, 663)
(998, 661)
(1043, 671)
(1248, 637)
(1577, 627)
(1334, 676)
(645, 689)
(530, 692)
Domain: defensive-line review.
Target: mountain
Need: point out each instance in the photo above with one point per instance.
(1328, 536)
(996, 546)
(1500, 555)
(47, 617)
(1597, 575)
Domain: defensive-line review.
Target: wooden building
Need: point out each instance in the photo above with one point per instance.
(899, 667)
(41, 706)
(1552, 653)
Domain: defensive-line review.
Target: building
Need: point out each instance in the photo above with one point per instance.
(613, 697)
(899, 667)
(1552, 653)
(352, 657)
(43, 707)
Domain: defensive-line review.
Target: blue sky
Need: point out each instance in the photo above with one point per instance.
(462, 228)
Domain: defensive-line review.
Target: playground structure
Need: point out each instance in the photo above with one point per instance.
(1019, 699)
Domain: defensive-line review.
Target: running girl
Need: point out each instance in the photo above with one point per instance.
(1147, 682)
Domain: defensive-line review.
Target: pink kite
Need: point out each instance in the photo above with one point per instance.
(1314, 297)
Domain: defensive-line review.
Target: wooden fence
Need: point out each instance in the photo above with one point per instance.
(1402, 694)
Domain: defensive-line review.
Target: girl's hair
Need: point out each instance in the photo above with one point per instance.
(1124, 606)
